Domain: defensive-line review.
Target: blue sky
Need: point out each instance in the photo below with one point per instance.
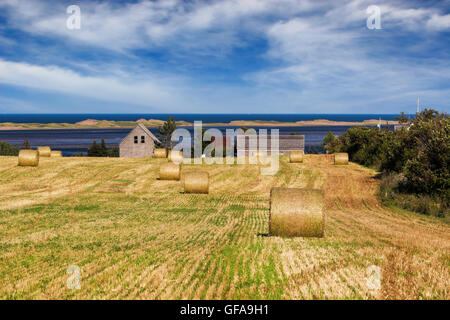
(228, 56)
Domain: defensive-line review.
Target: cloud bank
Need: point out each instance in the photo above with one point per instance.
(228, 56)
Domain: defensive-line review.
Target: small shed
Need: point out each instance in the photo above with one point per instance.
(139, 143)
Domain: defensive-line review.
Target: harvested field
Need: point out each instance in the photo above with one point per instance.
(137, 237)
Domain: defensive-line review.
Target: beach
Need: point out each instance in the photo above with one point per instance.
(155, 123)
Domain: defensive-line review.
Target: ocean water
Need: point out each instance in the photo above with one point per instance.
(71, 141)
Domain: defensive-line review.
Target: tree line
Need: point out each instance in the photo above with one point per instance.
(102, 150)
(7, 149)
(95, 150)
(414, 161)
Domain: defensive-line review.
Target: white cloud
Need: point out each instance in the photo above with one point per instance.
(438, 22)
(204, 25)
(332, 66)
(315, 45)
(148, 24)
(56, 79)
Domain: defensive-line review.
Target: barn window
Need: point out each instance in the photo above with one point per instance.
(142, 139)
(135, 139)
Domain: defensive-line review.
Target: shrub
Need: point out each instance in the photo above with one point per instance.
(328, 143)
(364, 145)
(391, 194)
(312, 150)
(8, 150)
(419, 156)
(428, 170)
(96, 150)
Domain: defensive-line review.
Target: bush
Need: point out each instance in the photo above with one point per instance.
(419, 156)
(312, 150)
(96, 150)
(328, 143)
(428, 171)
(8, 150)
(364, 145)
(391, 194)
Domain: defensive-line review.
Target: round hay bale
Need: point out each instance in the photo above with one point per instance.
(296, 212)
(175, 156)
(296, 156)
(196, 182)
(28, 158)
(44, 151)
(170, 171)
(56, 154)
(160, 153)
(341, 158)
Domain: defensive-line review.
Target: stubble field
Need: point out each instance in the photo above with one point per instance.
(136, 237)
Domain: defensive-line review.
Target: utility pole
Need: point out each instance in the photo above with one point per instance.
(418, 101)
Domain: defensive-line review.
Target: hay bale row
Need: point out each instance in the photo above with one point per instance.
(296, 212)
(193, 182)
(196, 182)
(296, 156)
(293, 212)
(341, 158)
(160, 153)
(44, 151)
(170, 171)
(56, 154)
(28, 158)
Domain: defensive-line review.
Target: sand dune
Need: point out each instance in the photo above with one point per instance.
(155, 123)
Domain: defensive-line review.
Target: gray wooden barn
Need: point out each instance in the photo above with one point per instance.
(139, 143)
(286, 144)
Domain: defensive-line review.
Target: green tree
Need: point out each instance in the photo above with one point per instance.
(328, 142)
(114, 152)
(402, 118)
(397, 150)
(103, 149)
(165, 132)
(419, 153)
(367, 146)
(94, 150)
(429, 169)
(26, 144)
(415, 160)
(8, 150)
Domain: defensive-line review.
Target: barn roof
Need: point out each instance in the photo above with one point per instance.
(148, 132)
